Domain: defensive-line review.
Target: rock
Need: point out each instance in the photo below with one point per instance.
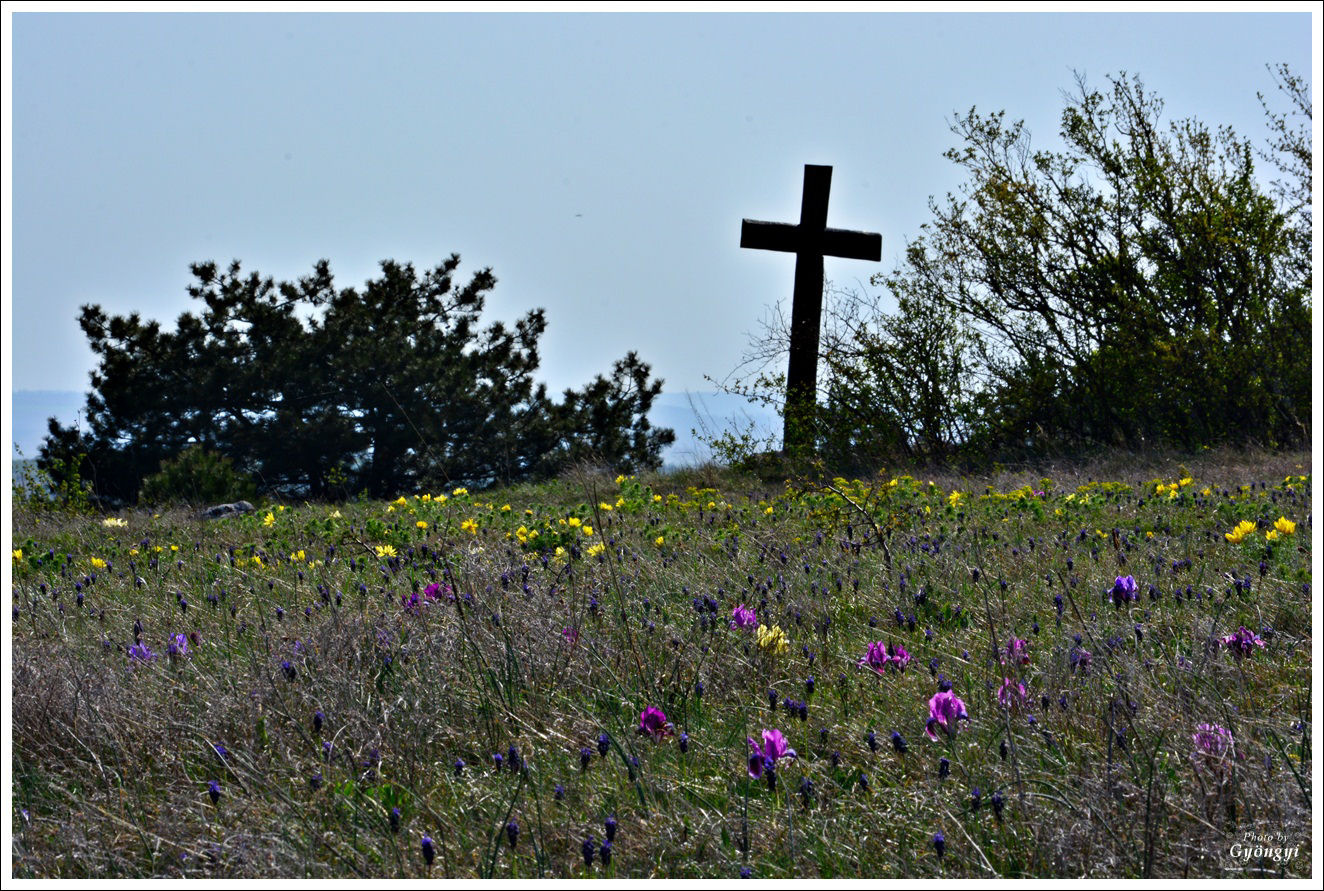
(226, 510)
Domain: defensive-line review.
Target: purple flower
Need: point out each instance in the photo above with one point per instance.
(653, 722)
(1243, 642)
(1011, 695)
(605, 853)
(571, 635)
(588, 847)
(609, 827)
(945, 709)
(1212, 741)
(214, 790)
(939, 843)
(1124, 589)
(744, 618)
(140, 652)
(880, 657)
(604, 743)
(429, 851)
(1018, 651)
(765, 756)
(512, 832)
(177, 646)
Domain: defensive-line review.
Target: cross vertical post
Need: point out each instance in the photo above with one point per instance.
(810, 241)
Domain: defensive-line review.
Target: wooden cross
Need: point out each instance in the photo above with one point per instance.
(810, 241)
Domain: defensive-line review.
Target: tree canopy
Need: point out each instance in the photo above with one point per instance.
(324, 393)
(1139, 286)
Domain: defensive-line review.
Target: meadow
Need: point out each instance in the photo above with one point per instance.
(1096, 671)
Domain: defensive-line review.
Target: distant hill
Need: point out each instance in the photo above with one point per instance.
(682, 412)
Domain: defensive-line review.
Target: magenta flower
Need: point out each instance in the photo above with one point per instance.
(1212, 741)
(1018, 651)
(945, 709)
(744, 618)
(1243, 642)
(880, 657)
(653, 722)
(765, 757)
(435, 591)
(571, 635)
(1011, 695)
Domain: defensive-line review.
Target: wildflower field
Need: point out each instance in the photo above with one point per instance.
(1073, 673)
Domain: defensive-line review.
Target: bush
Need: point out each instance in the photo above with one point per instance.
(197, 476)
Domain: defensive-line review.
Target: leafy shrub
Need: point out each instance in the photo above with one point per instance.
(197, 476)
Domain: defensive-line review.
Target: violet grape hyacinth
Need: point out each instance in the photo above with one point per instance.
(214, 790)
(945, 709)
(939, 843)
(604, 743)
(429, 851)
(744, 618)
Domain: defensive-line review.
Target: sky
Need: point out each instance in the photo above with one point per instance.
(599, 163)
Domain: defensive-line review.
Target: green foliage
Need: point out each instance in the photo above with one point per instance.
(322, 392)
(1138, 287)
(57, 485)
(197, 476)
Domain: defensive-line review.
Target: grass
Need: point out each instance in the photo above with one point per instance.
(301, 609)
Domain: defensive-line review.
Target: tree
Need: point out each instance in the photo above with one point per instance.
(319, 391)
(1139, 286)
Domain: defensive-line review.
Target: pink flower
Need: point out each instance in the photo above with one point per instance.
(653, 722)
(880, 657)
(571, 635)
(1011, 695)
(765, 757)
(744, 618)
(1243, 643)
(945, 709)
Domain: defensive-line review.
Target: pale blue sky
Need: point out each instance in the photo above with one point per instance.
(599, 163)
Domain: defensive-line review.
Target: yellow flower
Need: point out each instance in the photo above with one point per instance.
(954, 499)
(402, 501)
(298, 556)
(602, 505)
(460, 491)
(1285, 526)
(505, 508)
(659, 541)
(588, 530)
(773, 638)
(573, 522)
(594, 550)
(657, 498)
(18, 554)
(280, 507)
(470, 525)
(1271, 535)
(114, 522)
(257, 561)
(620, 502)
(335, 515)
(269, 519)
(620, 479)
(97, 563)
(1185, 481)
(768, 510)
(422, 524)
(1237, 535)
(174, 548)
(385, 551)
(425, 498)
(133, 552)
